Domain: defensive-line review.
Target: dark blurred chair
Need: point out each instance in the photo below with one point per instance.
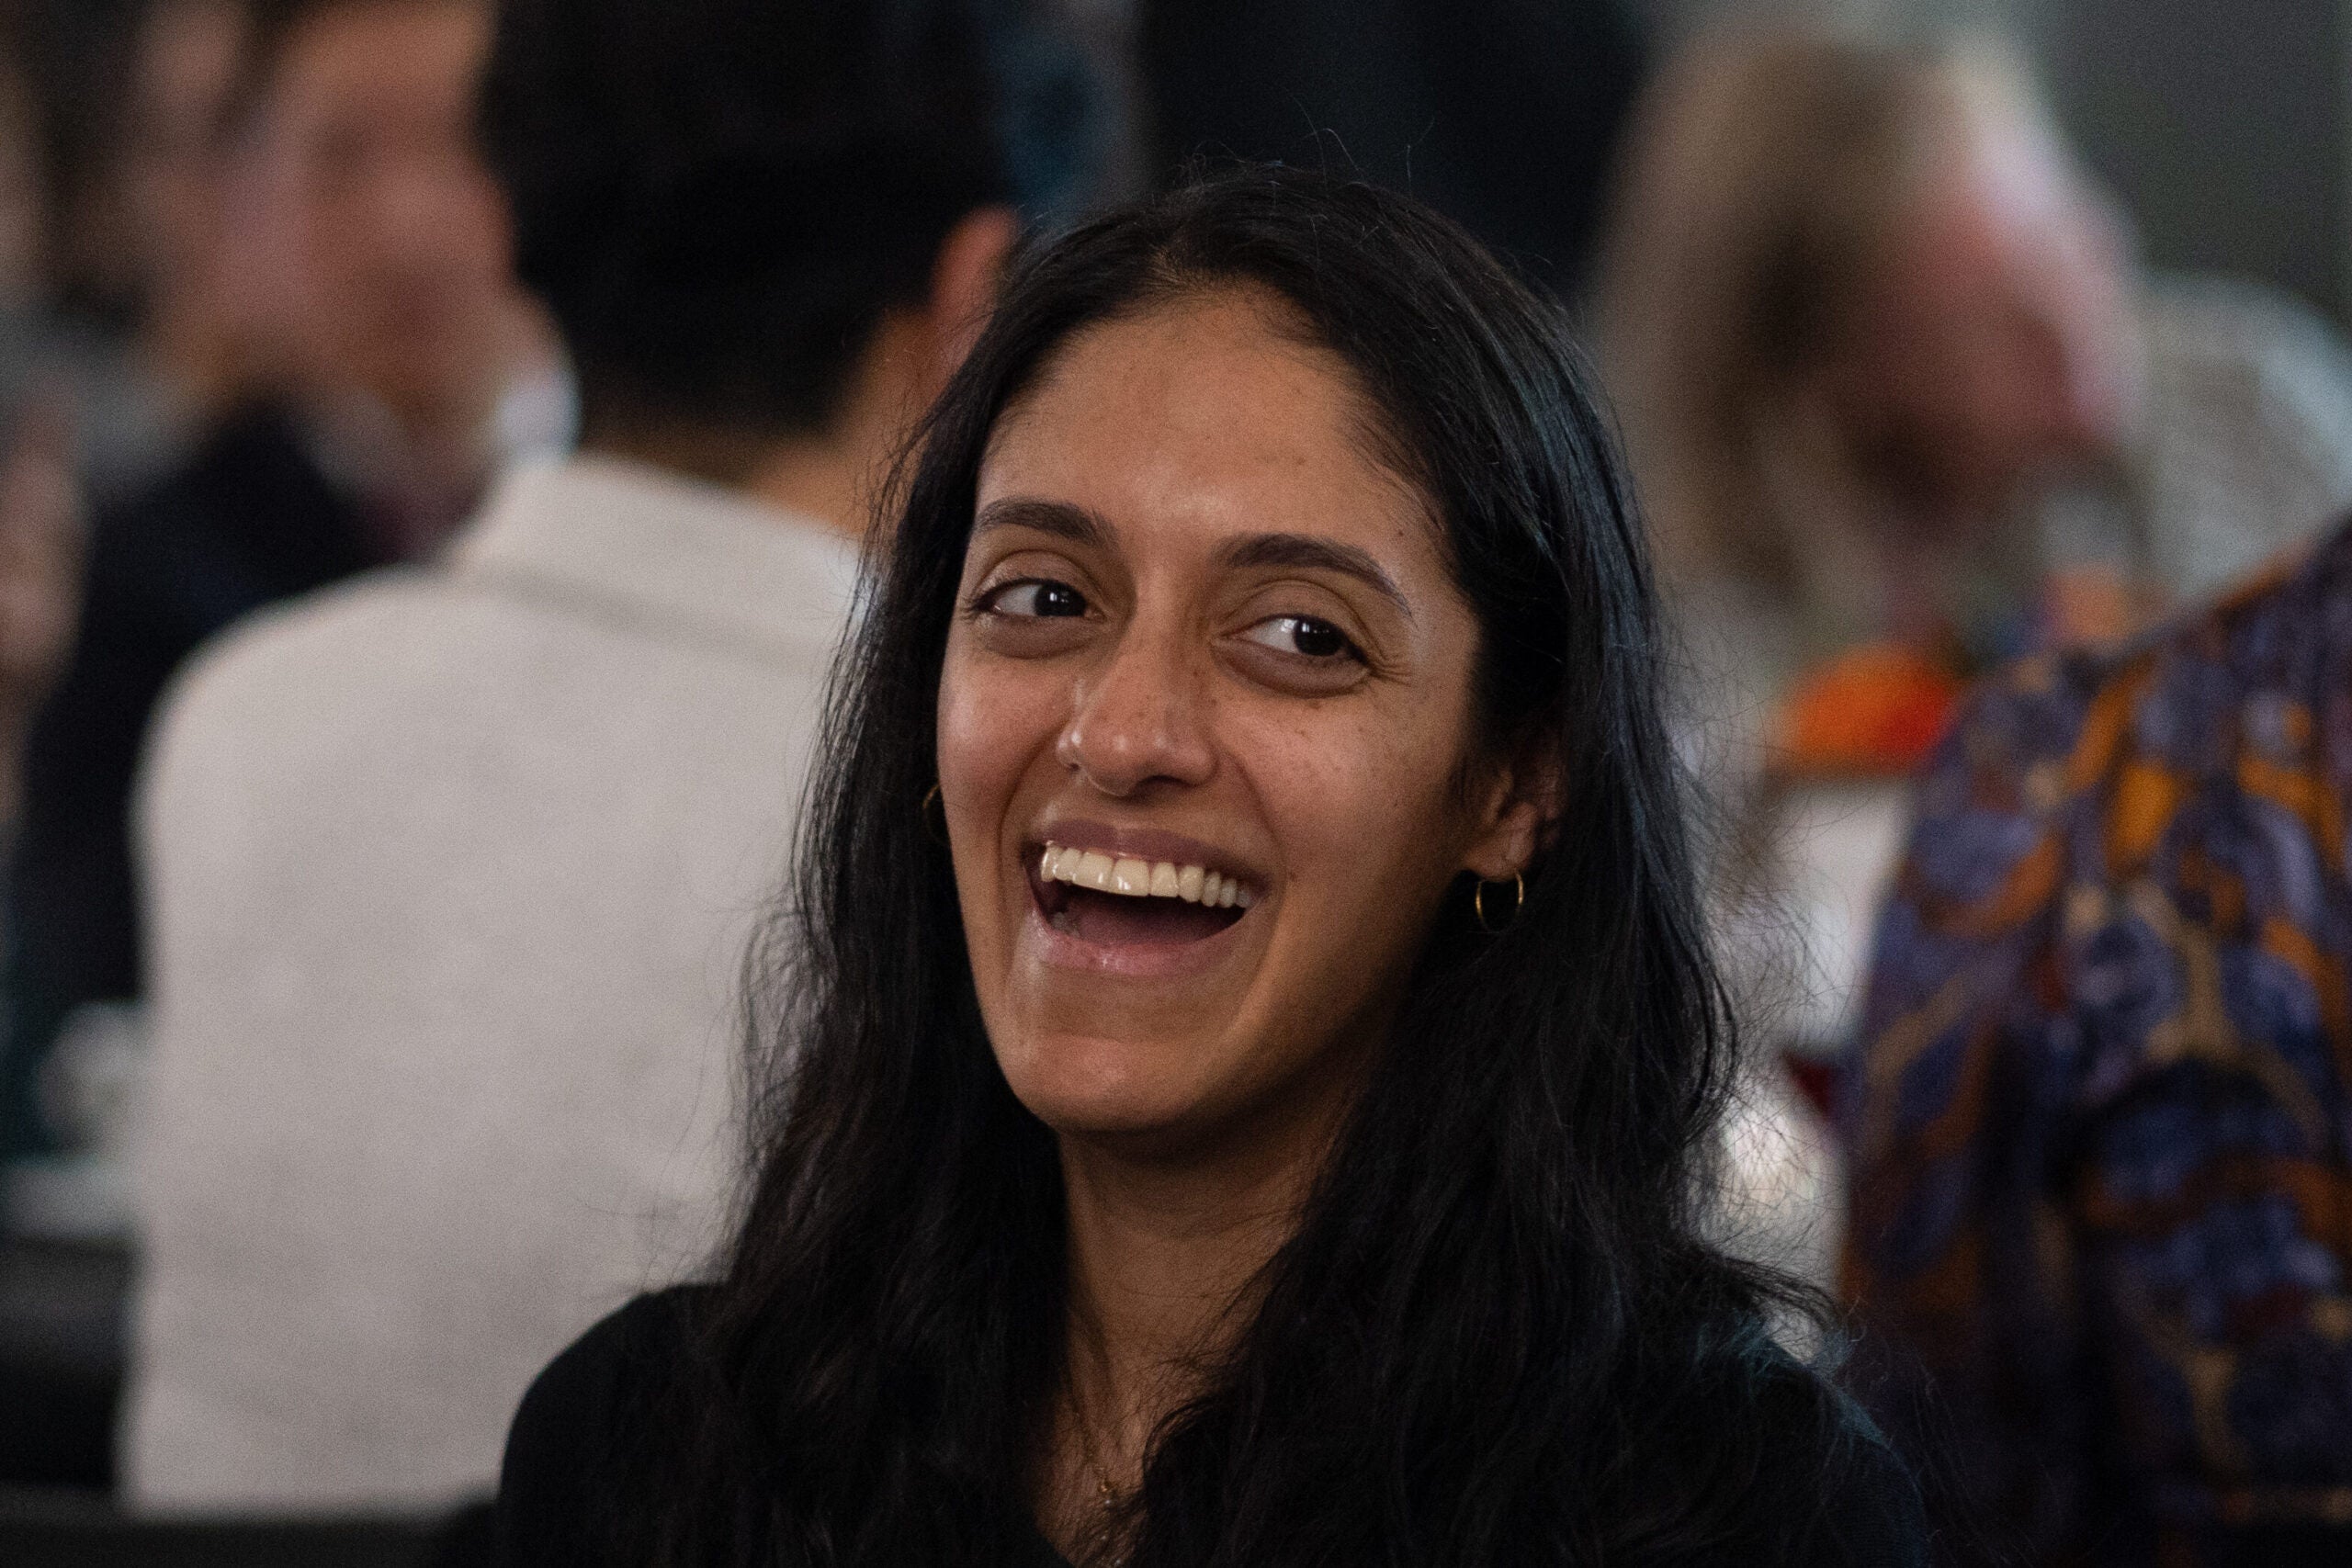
(55, 1530)
(62, 1337)
(61, 1362)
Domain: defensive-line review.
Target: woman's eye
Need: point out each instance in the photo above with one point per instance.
(1043, 600)
(1304, 635)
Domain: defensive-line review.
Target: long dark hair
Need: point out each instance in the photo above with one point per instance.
(1499, 1336)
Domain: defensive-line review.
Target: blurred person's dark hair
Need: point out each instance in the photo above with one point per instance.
(719, 200)
(1502, 115)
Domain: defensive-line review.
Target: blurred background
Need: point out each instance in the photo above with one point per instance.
(2109, 241)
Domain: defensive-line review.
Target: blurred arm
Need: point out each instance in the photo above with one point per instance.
(1961, 1249)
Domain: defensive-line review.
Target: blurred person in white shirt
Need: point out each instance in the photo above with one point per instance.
(450, 873)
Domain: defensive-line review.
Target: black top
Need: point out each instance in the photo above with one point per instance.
(247, 521)
(566, 1464)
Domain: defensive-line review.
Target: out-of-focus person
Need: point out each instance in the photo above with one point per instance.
(1885, 361)
(451, 871)
(40, 504)
(1900, 404)
(41, 522)
(89, 412)
(77, 418)
(169, 172)
(2102, 1111)
(370, 254)
(22, 210)
(68, 338)
(1502, 115)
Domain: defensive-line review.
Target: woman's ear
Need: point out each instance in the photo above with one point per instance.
(1522, 803)
(963, 278)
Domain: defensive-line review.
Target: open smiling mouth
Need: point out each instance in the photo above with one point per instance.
(1132, 903)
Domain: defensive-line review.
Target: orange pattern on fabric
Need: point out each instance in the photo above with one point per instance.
(2322, 971)
(2146, 795)
(2108, 716)
(2304, 795)
(2029, 885)
(1873, 711)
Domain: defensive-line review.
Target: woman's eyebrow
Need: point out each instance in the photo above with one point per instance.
(1325, 555)
(1058, 518)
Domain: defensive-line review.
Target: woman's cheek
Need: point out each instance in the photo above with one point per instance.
(1363, 861)
(996, 717)
(1347, 794)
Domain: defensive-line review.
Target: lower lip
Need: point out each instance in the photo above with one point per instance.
(1136, 960)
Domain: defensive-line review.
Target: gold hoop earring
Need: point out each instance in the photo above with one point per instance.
(1518, 903)
(939, 833)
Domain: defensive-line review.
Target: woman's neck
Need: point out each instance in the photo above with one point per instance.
(1165, 1256)
(1159, 1261)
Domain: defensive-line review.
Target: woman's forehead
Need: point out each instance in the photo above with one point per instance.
(1208, 414)
(1209, 357)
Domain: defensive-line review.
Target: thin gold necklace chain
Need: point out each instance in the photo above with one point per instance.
(1107, 1496)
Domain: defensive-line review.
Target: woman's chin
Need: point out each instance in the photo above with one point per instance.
(1097, 1088)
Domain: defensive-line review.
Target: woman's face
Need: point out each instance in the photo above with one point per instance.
(1205, 733)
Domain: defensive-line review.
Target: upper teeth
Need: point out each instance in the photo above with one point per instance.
(1142, 879)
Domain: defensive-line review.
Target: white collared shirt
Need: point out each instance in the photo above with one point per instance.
(448, 878)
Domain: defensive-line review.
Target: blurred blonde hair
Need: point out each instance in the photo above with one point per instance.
(1760, 175)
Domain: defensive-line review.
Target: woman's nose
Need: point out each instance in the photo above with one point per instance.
(1137, 719)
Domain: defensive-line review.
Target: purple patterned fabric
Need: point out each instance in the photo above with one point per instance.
(2100, 1113)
